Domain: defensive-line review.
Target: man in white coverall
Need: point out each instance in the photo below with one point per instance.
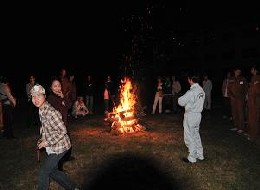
(193, 101)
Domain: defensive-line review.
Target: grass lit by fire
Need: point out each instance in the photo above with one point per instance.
(233, 162)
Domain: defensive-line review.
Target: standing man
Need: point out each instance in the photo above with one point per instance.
(8, 105)
(89, 93)
(109, 95)
(32, 113)
(193, 101)
(254, 104)
(54, 139)
(176, 90)
(226, 106)
(237, 91)
(207, 87)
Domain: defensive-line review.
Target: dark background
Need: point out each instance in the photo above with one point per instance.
(41, 38)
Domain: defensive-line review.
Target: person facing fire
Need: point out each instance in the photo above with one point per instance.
(109, 94)
(207, 87)
(158, 95)
(237, 91)
(254, 104)
(54, 138)
(193, 101)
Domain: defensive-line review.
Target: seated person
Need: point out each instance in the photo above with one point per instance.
(79, 108)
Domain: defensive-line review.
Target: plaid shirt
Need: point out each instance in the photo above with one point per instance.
(53, 129)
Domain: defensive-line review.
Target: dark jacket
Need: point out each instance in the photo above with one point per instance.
(60, 104)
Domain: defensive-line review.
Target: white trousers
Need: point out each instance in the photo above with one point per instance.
(157, 99)
(191, 124)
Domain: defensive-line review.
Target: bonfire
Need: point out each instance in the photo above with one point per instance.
(124, 118)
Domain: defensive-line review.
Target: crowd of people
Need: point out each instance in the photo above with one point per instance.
(239, 98)
(242, 101)
(241, 104)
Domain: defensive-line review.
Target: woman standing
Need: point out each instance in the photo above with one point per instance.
(62, 104)
(8, 105)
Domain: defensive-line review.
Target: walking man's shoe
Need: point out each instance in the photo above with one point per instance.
(185, 160)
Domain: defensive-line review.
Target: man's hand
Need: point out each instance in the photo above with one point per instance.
(42, 144)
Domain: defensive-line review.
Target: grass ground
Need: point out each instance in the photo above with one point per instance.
(143, 160)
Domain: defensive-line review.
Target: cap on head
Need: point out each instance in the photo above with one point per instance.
(37, 90)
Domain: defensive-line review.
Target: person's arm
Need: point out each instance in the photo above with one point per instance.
(85, 108)
(210, 85)
(224, 86)
(178, 87)
(183, 100)
(10, 96)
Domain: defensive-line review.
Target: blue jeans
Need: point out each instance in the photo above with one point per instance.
(50, 169)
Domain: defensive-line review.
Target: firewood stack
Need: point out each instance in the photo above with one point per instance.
(123, 122)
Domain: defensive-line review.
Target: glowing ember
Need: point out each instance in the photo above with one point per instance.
(123, 116)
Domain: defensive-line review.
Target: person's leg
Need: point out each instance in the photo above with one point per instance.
(88, 101)
(197, 140)
(209, 102)
(91, 103)
(174, 103)
(155, 102)
(50, 169)
(189, 139)
(233, 111)
(48, 166)
(160, 104)
(106, 105)
(241, 114)
(8, 121)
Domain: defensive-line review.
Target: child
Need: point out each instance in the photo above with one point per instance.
(79, 108)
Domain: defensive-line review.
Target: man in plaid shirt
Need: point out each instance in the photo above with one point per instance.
(54, 139)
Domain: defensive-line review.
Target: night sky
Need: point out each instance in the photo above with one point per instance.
(42, 38)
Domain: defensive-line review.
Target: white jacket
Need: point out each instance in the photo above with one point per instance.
(193, 99)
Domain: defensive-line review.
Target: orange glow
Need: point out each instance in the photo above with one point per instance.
(124, 113)
(127, 98)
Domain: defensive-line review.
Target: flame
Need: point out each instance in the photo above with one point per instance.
(124, 119)
(125, 110)
(127, 98)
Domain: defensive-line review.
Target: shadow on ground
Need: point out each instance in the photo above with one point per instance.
(130, 171)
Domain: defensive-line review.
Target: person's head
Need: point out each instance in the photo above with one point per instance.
(228, 74)
(237, 72)
(193, 78)
(72, 77)
(56, 87)
(63, 72)
(80, 99)
(255, 70)
(38, 95)
(32, 78)
(108, 78)
(205, 77)
(4, 79)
